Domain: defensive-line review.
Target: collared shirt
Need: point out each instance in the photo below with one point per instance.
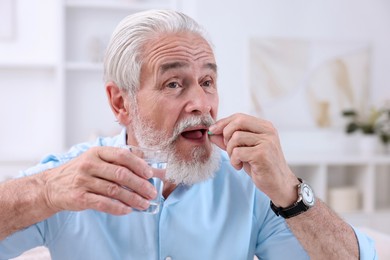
(225, 217)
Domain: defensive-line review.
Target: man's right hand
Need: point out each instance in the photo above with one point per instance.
(108, 179)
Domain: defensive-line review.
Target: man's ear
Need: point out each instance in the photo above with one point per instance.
(118, 101)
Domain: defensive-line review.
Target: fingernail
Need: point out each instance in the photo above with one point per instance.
(211, 129)
(145, 204)
(127, 210)
(152, 193)
(148, 173)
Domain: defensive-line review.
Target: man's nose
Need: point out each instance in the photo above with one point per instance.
(198, 101)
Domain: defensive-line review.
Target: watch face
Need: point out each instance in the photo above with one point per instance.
(307, 195)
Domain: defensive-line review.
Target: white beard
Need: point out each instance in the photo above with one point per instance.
(179, 171)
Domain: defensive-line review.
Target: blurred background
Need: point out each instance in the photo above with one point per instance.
(319, 70)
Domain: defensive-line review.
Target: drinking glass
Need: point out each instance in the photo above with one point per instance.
(157, 159)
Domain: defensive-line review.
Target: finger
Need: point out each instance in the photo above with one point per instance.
(120, 193)
(240, 122)
(122, 156)
(218, 140)
(248, 124)
(242, 155)
(242, 139)
(236, 162)
(120, 176)
(217, 128)
(104, 204)
(148, 171)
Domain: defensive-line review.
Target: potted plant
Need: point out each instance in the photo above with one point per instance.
(382, 127)
(365, 124)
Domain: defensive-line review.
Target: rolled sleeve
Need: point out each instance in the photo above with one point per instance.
(366, 246)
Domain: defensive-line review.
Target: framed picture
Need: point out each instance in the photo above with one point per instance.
(306, 84)
(7, 19)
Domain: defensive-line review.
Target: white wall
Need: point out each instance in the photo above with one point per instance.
(231, 23)
(30, 118)
(35, 33)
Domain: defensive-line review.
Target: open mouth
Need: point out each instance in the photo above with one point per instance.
(194, 133)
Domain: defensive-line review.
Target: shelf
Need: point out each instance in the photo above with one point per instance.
(336, 159)
(84, 66)
(120, 5)
(21, 161)
(27, 65)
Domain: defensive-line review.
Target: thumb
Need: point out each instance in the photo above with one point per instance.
(159, 173)
(218, 140)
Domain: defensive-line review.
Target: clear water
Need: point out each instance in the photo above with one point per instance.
(153, 208)
(158, 184)
(157, 165)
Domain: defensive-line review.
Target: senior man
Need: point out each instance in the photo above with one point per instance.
(228, 191)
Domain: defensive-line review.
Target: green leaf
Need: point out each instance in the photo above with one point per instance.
(349, 113)
(351, 127)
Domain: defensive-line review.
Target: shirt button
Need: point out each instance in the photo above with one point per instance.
(168, 258)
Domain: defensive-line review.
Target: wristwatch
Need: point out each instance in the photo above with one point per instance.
(306, 200)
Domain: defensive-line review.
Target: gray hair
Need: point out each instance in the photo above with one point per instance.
(123, 59)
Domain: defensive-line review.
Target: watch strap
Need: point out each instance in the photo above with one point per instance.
(291, 211)
(295, 209)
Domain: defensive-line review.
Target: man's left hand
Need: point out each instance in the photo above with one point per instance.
(253, 144)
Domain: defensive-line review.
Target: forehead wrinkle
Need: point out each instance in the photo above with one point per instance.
(185, 51)
(177, 65)
(175, 61)
(179, 52)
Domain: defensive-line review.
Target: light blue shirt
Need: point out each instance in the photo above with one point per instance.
(226, 217)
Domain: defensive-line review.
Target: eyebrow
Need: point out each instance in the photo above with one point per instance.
(211, 66)
(172, 65)
(175, 65)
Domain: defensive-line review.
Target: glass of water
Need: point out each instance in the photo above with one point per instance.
(157, 159)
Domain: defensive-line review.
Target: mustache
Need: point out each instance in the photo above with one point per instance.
(191, 121)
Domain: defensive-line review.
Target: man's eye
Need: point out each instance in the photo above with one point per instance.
(173, 85)
(207, 83)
